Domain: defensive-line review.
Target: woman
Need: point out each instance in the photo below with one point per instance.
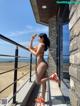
(42, 66)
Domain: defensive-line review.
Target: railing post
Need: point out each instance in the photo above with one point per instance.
(30, 66)
(15, 75)
(36, 63)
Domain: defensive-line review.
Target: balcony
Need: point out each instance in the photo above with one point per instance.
(25, 91)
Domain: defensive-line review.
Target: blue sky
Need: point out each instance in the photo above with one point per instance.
(66, 39)
(18, 23)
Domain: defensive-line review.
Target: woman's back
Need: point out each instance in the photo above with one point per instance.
(40, 56)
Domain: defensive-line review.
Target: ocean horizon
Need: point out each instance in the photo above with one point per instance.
(19, 60)
(13, 60)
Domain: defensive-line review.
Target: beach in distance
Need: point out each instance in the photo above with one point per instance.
(8, 78)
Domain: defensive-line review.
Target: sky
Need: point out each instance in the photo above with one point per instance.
(66, 41)
(17, 22)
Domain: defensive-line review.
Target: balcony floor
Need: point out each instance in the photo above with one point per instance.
(54, 96)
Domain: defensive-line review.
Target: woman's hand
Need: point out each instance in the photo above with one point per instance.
(33, 36)
(31, 41)
(34, 48)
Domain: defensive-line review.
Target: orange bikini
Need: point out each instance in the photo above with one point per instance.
(35, 48)
(40, 55)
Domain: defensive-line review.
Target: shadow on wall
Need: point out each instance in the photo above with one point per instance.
(52, 63)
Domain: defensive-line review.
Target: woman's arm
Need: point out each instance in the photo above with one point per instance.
(31, 42)
(40, 47)
(30, 45)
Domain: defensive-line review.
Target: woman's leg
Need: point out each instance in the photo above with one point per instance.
(45, 79)
(53, 77)
(43, 89)
(42, 67)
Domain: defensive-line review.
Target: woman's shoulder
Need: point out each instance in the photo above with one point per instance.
(41, 44)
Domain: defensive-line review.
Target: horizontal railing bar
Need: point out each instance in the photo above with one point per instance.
(66, 55)
(12, 69)
(13, 82)
(19, 56)
(12, 42)
(4, 55)
(22, 76)
(18, 91)
(45, 55)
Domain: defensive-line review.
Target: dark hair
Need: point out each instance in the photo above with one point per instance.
(46, 40)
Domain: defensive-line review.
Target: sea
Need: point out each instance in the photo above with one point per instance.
(12, 60)
(2, 60)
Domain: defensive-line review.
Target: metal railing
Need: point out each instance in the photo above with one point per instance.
(15, 69)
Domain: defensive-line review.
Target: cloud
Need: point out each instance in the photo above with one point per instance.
(18, 33)
(5, 47)
(26, 43)
(29, 29)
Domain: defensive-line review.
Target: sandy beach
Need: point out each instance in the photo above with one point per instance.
(8, 78)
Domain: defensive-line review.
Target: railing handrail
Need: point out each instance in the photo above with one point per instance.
(16, 66)
(13, 82)
(1, 73)
(12, 42)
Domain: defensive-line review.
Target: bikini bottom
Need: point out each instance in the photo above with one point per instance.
(44, 62)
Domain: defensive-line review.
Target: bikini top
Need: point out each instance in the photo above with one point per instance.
(42, 52)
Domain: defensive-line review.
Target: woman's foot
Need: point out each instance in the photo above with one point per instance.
(54, 77)
(40, 100)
